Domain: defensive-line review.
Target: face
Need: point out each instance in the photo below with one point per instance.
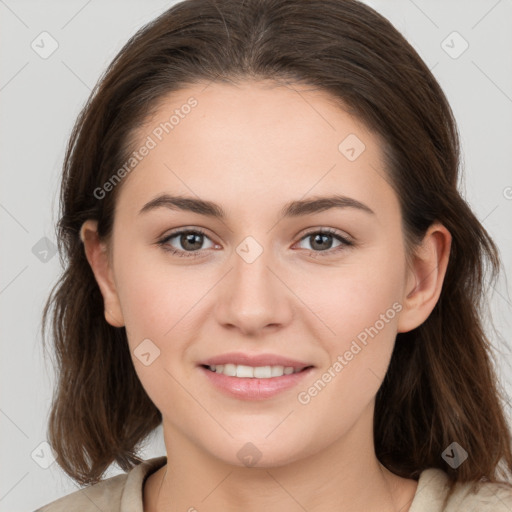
(319, 290)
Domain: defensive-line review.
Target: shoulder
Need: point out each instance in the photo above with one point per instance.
(111, 494)
(100, 496)
(467, 496)
(485, 497)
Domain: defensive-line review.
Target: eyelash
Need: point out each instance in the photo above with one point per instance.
(194, 254)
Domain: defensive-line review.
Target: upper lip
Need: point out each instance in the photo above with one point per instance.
(254, 360)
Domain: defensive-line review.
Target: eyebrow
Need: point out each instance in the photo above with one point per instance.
(292, 209)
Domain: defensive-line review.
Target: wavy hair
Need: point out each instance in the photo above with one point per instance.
(441, 385)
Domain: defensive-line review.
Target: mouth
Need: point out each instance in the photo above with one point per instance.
(267, 376)
(254, 372)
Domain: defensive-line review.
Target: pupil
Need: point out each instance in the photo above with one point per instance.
(190, 238)
(321, 237)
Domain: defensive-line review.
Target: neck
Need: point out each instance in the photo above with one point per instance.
(345, 477)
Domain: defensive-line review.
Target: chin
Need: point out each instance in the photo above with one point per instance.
(256, 451)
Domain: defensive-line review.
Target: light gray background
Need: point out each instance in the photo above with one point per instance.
(40, 99)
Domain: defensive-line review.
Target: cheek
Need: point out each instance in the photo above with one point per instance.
(354, 297)
(361, 306)
(156, 296)
(147, 304)
(157, 303)
(358, 357)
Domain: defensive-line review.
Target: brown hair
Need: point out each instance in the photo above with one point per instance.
(440, 386)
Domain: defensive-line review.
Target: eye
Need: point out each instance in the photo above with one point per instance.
(322, 241)
(188, 240)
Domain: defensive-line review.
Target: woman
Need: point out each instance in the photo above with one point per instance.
(268, 255)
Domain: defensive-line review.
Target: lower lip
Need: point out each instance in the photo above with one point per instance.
(247, 388)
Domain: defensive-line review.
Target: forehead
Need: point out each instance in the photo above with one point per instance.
(256, 140)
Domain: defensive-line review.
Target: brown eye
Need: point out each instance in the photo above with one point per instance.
(185, 241)
(323, 240)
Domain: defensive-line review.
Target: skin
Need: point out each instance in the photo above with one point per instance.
(252, 148)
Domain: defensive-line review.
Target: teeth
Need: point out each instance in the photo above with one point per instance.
(258, 372)
(244, 371)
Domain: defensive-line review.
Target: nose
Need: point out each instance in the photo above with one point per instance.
(254, 296)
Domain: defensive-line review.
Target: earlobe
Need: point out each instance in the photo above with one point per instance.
(425, 277)
(97, 255)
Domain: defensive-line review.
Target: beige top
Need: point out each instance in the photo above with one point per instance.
(123, 493)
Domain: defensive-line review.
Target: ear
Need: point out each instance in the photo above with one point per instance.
(425, 276)
(98, 258)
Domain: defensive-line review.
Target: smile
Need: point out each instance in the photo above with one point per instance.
(253, 372)
(244, 382)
